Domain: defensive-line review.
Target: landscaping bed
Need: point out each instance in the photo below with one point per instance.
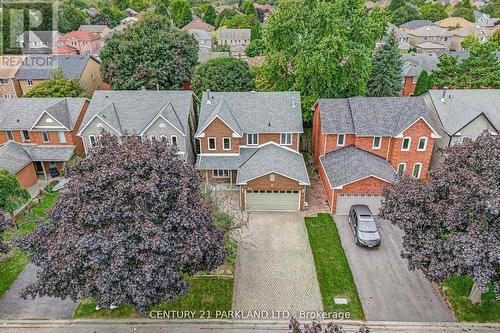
(334, 275)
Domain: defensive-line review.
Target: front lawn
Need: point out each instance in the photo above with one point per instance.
(457, 291)
(204, 294)
(334, 275)
(13, 264)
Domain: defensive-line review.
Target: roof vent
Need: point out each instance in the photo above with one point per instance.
(269, 124)
(293, 102)
(208, 97)
(443, 97)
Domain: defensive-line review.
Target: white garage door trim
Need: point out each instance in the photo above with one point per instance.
(346, 200)
(267, 200)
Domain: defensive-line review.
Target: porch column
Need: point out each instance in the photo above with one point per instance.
(44, 172)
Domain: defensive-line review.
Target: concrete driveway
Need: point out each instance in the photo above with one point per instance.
(275, 268)
(12, 306)
(387, 289)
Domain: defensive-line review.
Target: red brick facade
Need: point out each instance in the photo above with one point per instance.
(27, 176)
(409, 86)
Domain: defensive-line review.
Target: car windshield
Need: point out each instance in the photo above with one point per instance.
(367, 226)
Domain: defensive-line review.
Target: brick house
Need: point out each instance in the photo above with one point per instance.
(360, 144)
(37, 135)
(414, 64)
(249, 141)
(79, 42)
(151, 114)
(430, 38)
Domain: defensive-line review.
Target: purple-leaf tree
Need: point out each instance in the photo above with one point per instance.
(130, 226)
(451, 223)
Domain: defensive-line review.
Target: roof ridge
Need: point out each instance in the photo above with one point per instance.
(165, 107)
(352, 117)
(112, 104)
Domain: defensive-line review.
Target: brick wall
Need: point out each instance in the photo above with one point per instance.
(218, 129)
(408, 86)
(370, 185)
(366, 143)
(27, 176)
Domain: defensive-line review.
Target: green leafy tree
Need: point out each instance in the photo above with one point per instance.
(209, 15)
(466, 13)
(108, 15)
(180, 12)
(385, 77)
(432, 12)
(495, 39)
(424, 84)
(468, 41)
(396, 4)
(248, 8)
(57, 86)
(447, 72)
(12, 195)
(223, 74)
(70, 19)
(493, 8)
(255, 48)
(318, 57)
(404, 14)
(225, 14)
(121, 4)
(242, 21)
(147, 54)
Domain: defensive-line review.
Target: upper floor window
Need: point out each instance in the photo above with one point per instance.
(401, 169)
(252, 139)
(226, 143)
(212, 144)
(417, 168)
(10, 137)
(422, 144)
(377, 142)
(220, 173)
(45, 136)
(26, 136)
(405, 145)
(340, 139)
(173, 140)
(92, 141)
(286, 139)
(30, 83)
(4, 81)
(61, 137)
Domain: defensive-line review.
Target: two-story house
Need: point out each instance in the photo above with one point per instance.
(237, 39)
(462, 115)
(459, 35)
(205, 40)
(159, 115)
(250, 141)
(79, 42)
(38, 42)
(9, 65)
(37, 69)
(430, 38)
(360, 144)
(37, 135)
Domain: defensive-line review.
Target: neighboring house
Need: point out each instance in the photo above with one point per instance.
(414, 64)
(38, 42)
(237, 39)
(430, 38)
(462, 115)
(454, 22)
(250, 141)
(128, 21)
(9, 65)
(198, 25)
(205, 39)
(485, 20)
(99, 29)
(205, 56)
(79, 42)
(160, 115)
(130, 12)
(37, 135)
(481, 34)
(415, 24)
(84, 68)
(360, 144)
(92, 12)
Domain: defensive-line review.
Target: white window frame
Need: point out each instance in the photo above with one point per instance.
(163, 137)
(287, 136)
(172, 139)
(220, 173)
(4, 82)
(425, 144)
(92, 141)
(404, 168)
(61, 134)
(223, 143)
(379, 142)
(403, 143)
(24, 137)
(9, 135)
(256, 143)
(343, 140)
(43, 137)
(419, 170)
(214, 141)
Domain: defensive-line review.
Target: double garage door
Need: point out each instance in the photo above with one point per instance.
(272, 200)
(345, 201)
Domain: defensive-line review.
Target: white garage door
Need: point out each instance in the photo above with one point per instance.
(272, 200)
(345, 201)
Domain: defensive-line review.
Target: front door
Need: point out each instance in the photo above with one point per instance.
(38, 168)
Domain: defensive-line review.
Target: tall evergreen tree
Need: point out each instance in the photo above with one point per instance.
(424, 84)
(209, 15)
(385, 77)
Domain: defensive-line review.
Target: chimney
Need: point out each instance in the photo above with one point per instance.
(443, 98)
(208, 97)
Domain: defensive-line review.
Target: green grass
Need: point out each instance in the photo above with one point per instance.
(334, 275)
(204, 294)
(14, 263)
(457, 291)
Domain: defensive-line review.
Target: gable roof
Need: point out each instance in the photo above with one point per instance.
(198, 25)
(463, 106)
(132, 110)
(223, 112)
(430, 31)
(9, 65)
(253, 112)
(200, 34)
(168, 113)
(371, 116)
(224, 33)
(271, 158)
(49, 38)
(430, 46)
(451, 22)
(80, 35)
(23, 113)
(13, 157)
(34, 68)
(95, 28)
(416, 62)
(349, 164)
(414, 24)
(471, 30)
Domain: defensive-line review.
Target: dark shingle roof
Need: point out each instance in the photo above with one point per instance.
(371, 116)
(13, 157)
(256, 112)
(233, 162)
(414, 24)
(34, 68)
(348, 164)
